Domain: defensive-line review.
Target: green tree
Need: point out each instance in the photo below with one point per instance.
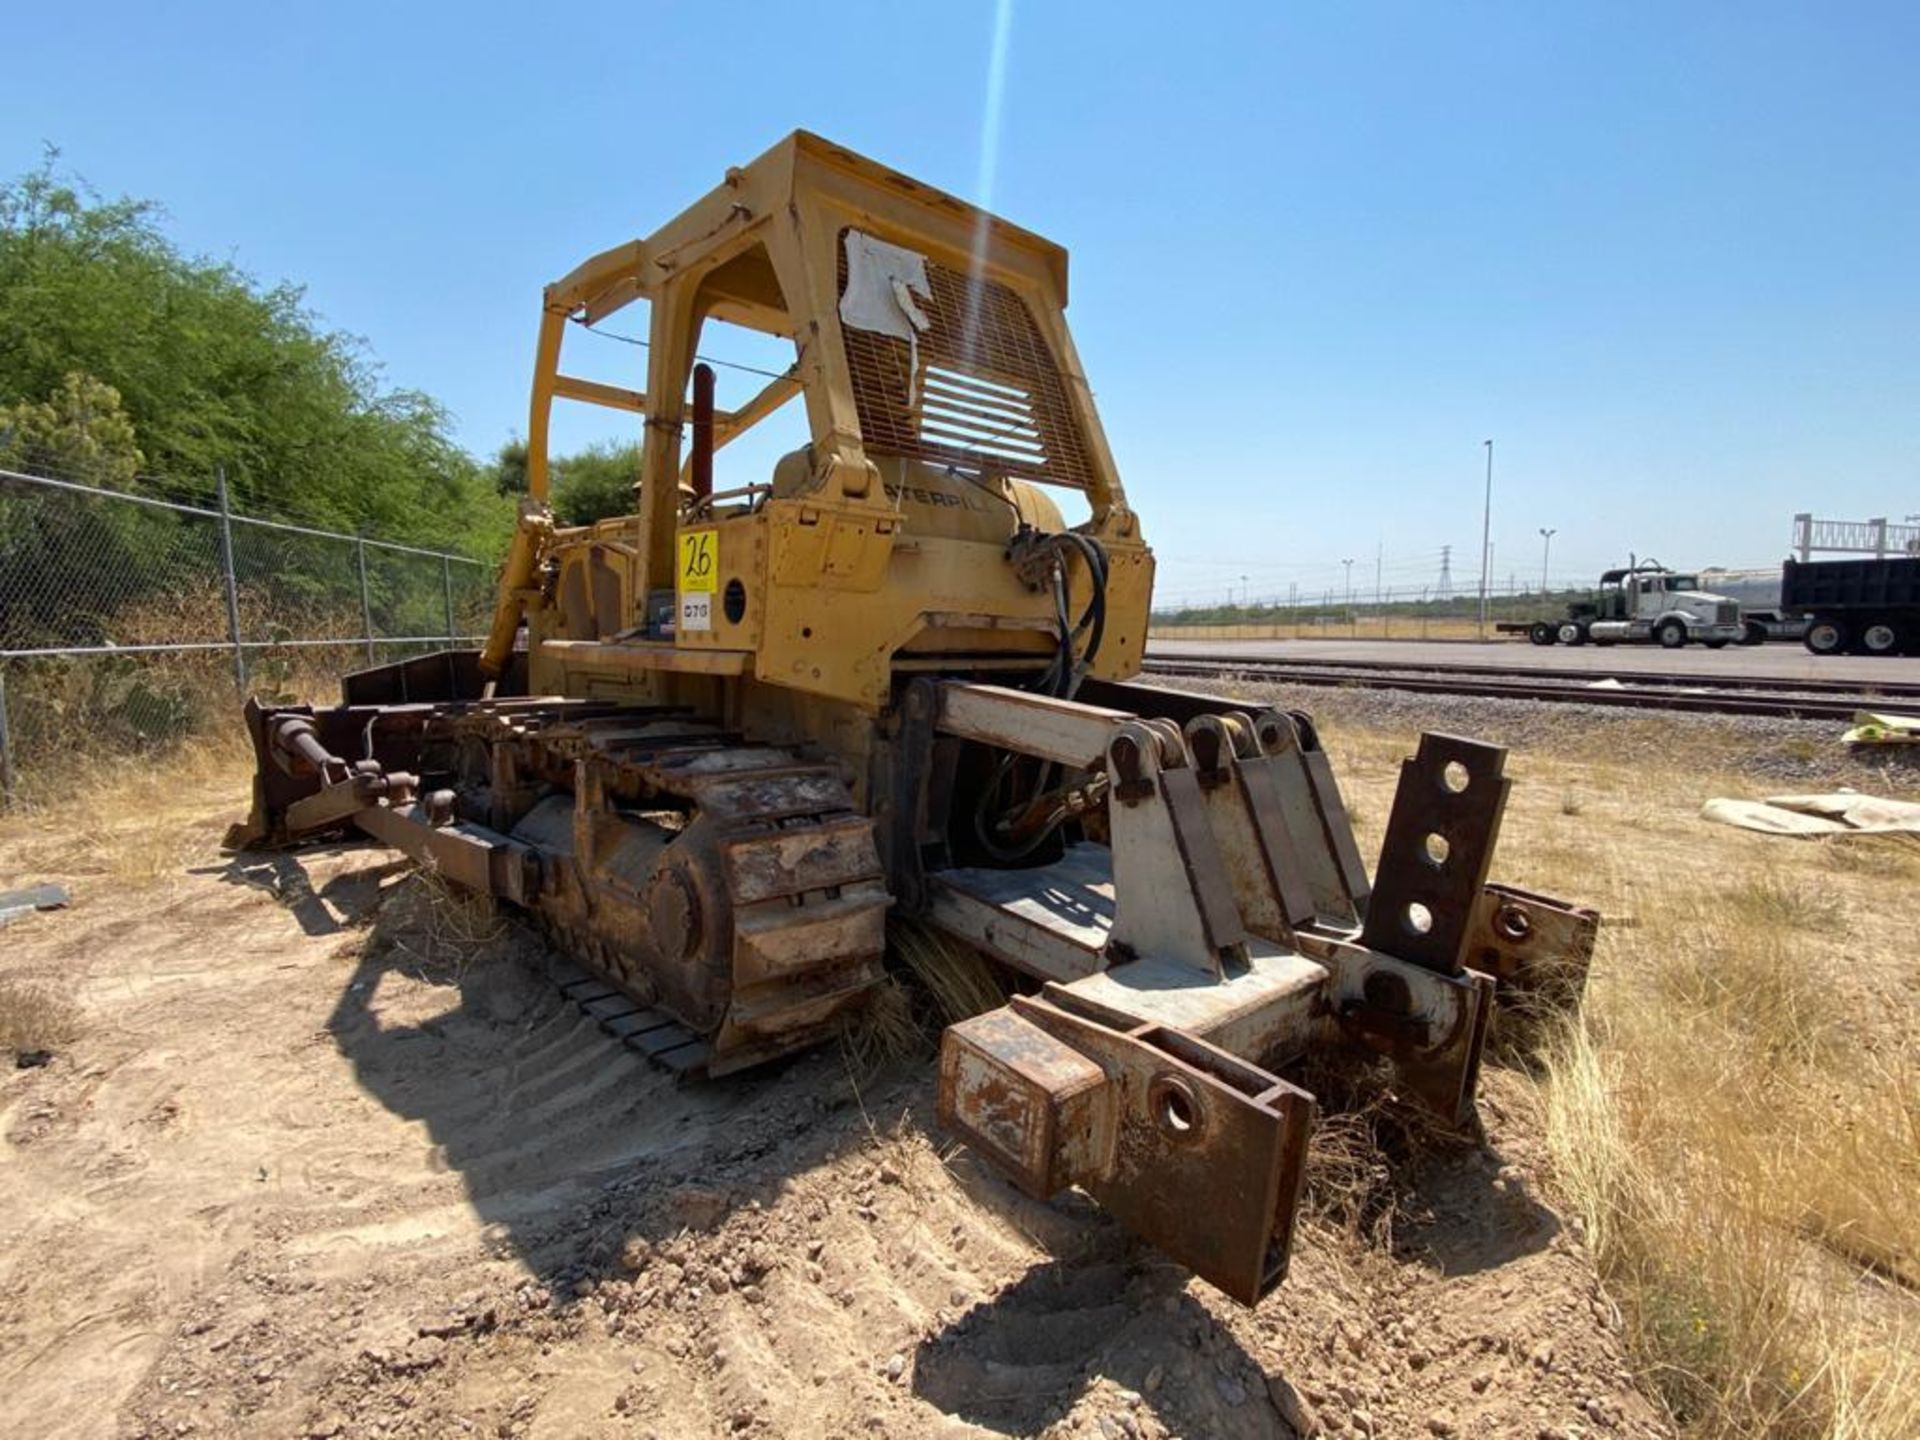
(65, 566)
(214, 369)
(79, 430)
(592, 485)
(595, 484)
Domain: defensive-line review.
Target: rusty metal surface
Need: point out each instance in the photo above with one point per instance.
(1247, 813)
(1169, 1120)
(1335, 824)
(1432, 1027)
(449, 675)
(1439, 843)
(1295, 809)
(902, 800)
(754, 920)
(1070, 732)
(1537, 949)
(749, 925)
(1022, 1097)
(482, 860)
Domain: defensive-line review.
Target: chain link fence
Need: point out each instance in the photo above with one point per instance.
(128, 621)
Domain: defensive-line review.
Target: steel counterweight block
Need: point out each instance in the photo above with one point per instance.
(1192, 1148)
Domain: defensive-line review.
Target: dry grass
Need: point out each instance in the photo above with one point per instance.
(956, 978)
(443, 928)
(1770, 901)
(1361, 1154)
(1736, 1116)
(101, 799)
(74, 717)
(127, 820)
(884, 1033)
(938, 982)
(35, 1017)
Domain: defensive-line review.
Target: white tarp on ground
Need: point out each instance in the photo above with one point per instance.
(1845, 812)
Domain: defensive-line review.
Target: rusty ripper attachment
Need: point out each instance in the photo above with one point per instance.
(1142, 1070)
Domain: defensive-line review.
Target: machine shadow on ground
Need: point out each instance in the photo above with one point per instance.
(342, 902)
(568, 1146)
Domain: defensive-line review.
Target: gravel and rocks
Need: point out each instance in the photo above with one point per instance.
(1777, 754)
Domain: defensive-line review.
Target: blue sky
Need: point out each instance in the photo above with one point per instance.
(1665, 255)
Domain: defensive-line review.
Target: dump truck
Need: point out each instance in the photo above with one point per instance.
(1862, 607)
(717, 746)
(1643, 602)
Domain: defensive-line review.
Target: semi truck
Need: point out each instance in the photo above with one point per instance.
(1858, 607)
(1643, 602)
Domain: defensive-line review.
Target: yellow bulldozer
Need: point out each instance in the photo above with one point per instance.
(715, 744)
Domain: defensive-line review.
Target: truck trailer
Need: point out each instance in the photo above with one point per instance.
(1857, 607)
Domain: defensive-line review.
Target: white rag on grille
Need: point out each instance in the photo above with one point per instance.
(882, 283)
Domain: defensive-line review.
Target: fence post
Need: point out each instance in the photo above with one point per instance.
(366, 605)
(446, 583)
(233, 586)
(6, 746)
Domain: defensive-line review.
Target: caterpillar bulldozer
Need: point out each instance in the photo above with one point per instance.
(714, 744)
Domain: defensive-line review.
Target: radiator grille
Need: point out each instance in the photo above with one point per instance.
(988, 393)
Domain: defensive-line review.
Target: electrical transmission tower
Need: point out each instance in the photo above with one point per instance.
(1444, 590)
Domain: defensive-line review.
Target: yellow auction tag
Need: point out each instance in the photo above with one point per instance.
(700, 560)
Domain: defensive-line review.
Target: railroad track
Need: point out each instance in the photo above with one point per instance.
(1715, 695)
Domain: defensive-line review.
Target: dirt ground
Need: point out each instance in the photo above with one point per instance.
(313, 1168)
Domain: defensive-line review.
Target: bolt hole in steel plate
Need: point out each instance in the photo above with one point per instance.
(1455, 777)
(1437, 849)
(1512, 922)
(1175, 1105)
(1418, 919)
(733, 604)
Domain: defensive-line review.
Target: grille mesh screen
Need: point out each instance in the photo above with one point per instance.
(988, 394)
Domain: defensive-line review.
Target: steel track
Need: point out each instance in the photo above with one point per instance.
(1489, 682)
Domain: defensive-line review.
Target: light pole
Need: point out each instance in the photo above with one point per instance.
(1486, 541)
(1349, 565)
(1546, 548)
(1243, 592)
